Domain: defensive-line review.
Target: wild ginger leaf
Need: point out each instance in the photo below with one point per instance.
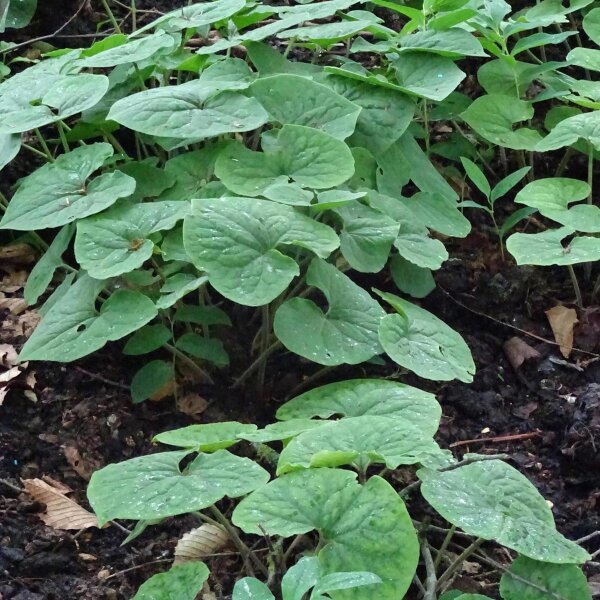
(346, 333)
(59, 192)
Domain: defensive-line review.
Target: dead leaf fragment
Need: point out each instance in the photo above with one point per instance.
(563, 321)
(192, 405)
(200, 542)
(61, 512)
(15, 306)
(518, 351)
(20, 254)
(8, 355)
(82, 467)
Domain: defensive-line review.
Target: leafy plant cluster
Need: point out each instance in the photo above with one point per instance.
(192, 166)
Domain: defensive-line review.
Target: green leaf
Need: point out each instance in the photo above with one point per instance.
(151, 378)
(514, 218)
(202, 315)
(559, 581)
(206, 438)
(344, 581)
(326, 34)
(300, 578)
(118, 241)
(181, 582)
(584, 126)
(416, 281)
(367, 237)
(195, 15)
(150, 180)
(540, 39)
(419, 341)
(132, 52)
(509, 182)
(283, 430)
(493, 501)
(359, 441)
(43, 272)
(10, 144)
(197, 109)
(364, 527)
(21, 111)
(453, 43)
(59, 193)
(307, 156)
(553, 195)
(585, 57)
(436, 211)
(346, 333)
(385, 113)
(476, 176)
(147, 339)
(591, 25)
(377, 397)
(493, 117)
(191, 172)
(237, 240)
(548, 248)
(250, 588)
(430, 76)
(18, 13)
(176, 287)
(154, 487)
(300, 101)
(420, 249)
(73, 327)
(209, 349)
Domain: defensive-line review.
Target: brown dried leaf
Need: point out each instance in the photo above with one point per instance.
(24, 324)
(61, 512)
(165, 391)
(192, 404)
(14, 305)
(200, 542)
(82, 467)
(8, 355)
(518, 351)
(20, 254)
(563, 321)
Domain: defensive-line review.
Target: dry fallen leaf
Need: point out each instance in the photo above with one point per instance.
(200, 542)
(517, 352)
(563, 321)
(5, 378)
(20, 254)
(82, 467)
(15, 306)
(8, 355)
(61, 512)
(192, 405)
(165, 391)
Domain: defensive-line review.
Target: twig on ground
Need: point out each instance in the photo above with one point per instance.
(498, 438)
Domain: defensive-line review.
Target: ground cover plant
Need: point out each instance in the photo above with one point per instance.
(281, 164)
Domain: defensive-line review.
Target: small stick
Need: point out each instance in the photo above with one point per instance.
(498, 438)
(91, 375)
(430, 579)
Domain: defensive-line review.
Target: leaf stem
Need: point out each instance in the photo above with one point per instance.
(256, 364)
(576, 288)
(456, 564)
(111, 16)
(44, 146)
(444, 546)
(189, 362)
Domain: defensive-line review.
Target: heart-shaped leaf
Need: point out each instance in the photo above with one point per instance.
(283, 430)
(307, 156)
(492, 500)
(154, 487)
(411, 279)
(117, 241)
(359, 441)
(180, 582)
(533, 580)
(134, 51)
(10, 144)
(22, 110)
(250, 588)
(202, 108)
(73, 327)
(377, 397)
(300, 101)
(237, 240)
(419, 341)
(584, 126)
(59, 192)
(426, 75)
(346, 333)
(548, 248)
(206, 438)
(493, 117)
(367, 237)
(385, 113)
(362, 527)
